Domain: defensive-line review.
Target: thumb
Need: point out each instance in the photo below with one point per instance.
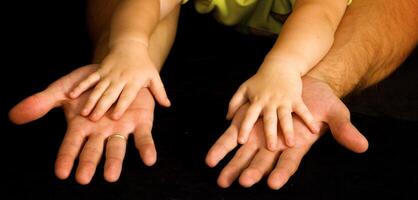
(344, 131)
(157, 89)
(34, 107)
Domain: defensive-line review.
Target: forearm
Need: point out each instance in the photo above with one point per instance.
(308, 33)
(373, 39)
(134, 21)
(160, 42)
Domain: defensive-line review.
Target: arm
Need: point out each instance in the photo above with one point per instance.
(136, 20)
(275, 90)
(127, 66)
(373, 39)
(137, 119)
(307, 34)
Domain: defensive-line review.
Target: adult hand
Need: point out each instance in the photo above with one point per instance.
(86, 139)
(252, 160)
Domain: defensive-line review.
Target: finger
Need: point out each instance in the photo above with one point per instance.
(262, 163)
(110, 96)
(89, 158)
(115, 153)
(286, 125)
(236, 102)
(128, 95)
(287, 165)
(68, 152)
(303, 112)
(270, 127)
(158, 90)
(85, 84)
(95, 96)
(145, 144)
(238, 163)
(35, 106)
(226, 143)
(344, 131)
(251, 117)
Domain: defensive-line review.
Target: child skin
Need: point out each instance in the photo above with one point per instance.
(275, 91)
(127, 67)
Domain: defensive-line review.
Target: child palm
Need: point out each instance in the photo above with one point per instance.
(122, 74)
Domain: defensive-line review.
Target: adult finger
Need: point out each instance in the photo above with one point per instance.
(287, 165)
(115, 153)
(239, 162)
(68, 152)
(145, 144)
(344, 131)
(89, 158)
(262, 163)
(226, 143)
(35, 106)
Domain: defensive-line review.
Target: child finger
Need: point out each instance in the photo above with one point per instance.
(285, 118)
(251, 117)
(109, 97)
(236, 101)
(127, 96)
(158, 90)
(270, 128)
(304, 113)
(85, 84)
(95, 96)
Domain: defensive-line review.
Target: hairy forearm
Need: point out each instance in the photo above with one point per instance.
(308, 33)
(373, 39)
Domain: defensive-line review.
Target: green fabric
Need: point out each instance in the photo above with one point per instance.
(254, 14)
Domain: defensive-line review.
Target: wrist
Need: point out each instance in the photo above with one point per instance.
(287, 63)
(128, 43)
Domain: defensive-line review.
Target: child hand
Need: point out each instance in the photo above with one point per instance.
(273, 92)
(124, 71)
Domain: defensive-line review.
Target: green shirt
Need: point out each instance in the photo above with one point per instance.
(265, 16)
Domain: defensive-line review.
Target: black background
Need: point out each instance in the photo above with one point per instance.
(44, 40)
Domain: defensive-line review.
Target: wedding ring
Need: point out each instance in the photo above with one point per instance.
(117, 135)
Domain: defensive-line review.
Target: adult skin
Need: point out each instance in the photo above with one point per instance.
(377, 53)
(373, 39)
(88, 142)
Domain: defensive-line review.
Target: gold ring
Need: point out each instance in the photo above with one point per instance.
(117, 135)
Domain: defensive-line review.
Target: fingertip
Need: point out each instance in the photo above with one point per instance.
(211, 161)
(290, 141)
(149, 157)
(83, 178)
(61, 173)
(275, 182)
(223, 183)
(271, 146)
(246, 179)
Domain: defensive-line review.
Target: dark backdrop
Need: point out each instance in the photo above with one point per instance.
(44, 40)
